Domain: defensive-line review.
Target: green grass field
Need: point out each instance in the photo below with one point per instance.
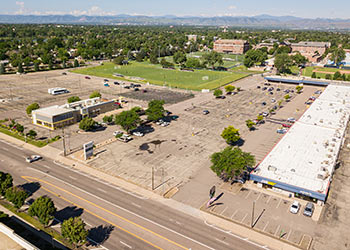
(232, 59)
(308, 71)
(155, 74)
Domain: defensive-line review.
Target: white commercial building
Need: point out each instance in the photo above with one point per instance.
(303, 161)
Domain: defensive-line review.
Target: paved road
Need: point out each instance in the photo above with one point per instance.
(118, 218)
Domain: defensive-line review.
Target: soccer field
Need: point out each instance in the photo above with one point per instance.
(155, 74)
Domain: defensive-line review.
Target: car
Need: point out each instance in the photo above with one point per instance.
(106, 84)
(286, 125)
(164, 124)
(309, 209)
(265, 114)
(312, 98)
(33, 158)
(273, 100)
(125, 138)
(137, 85)
(264, 88)
(286, 90)
(116, 133)
(116, 83)
(278, 89)
(271, 93)
(106, 80)
(87, 77)
(281, 131)
(205, 112)
(138, 133)
(136, 89)
(291, 119)
(126, 87)
(270, 89)
(258, 87)
(263, 103)
(308, 102)
(64, 73)
(221, 97)
(294, 208)
(318, 92)
(144, 91)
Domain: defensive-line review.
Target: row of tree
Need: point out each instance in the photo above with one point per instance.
(43, 209)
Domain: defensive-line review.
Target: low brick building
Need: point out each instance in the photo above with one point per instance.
(311, 50)
(231, 46)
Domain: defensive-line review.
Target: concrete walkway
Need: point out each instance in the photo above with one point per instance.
(216, 222)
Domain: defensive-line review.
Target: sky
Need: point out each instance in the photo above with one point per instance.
(299, 8)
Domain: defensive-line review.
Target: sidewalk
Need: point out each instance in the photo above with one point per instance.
(214, 221)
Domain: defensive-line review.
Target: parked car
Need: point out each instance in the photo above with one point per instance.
(127, 87)
(87, 77)
(221, 97)
(271, 93)
(273, 100)
(106, 84)
(286, 90)
(144, 91)
(286, 125)
(125, 138)
(115, 133)
(309, 209)
(278, 89)
(205, 112)
(294, 208)
(291, 119)
(33, 158)
(281, 131)
(264, 88)
(164, 124)
(265, 114)
(106, 80)
(137, 133)
(312, 98)
(263, 103)
(136, 89)
(64, 73)
(258, 87)
(308, 102)
(116, 83)
(318, 92)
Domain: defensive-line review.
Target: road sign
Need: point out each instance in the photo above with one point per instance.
(88, 150)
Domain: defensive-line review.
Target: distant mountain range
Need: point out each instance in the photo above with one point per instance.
(261, 21)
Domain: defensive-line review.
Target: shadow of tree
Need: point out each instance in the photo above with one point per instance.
(31, 187)
(66, 213)
(98, 235)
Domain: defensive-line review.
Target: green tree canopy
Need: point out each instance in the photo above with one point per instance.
(95, 94)
(16, 195)
(217, 92)
(20, 68)
(231, 162)
(299, 59)
(129, 120)
(337, 55)
(2, 69)
(213, 58)
(250, 124)
(74, 230)
(283, 62)
(6, 182)
(76, 63)
(253, 57)
(73, 99)
(107, 119)
(43, 208)
(299, 88)
(179, 57)
(229, 88)
(32, 107)
(230, 134)
(337, 76)
(155, 110)
(119, 60)
(193, 63)
(87, 124)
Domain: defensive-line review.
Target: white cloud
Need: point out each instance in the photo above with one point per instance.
(232, 7)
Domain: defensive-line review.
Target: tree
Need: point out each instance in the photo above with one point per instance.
(217, 93)
(313, 75)
(20, 68)
(231, 162)
(36, 66)
(230, 134)
(95, 94)
(280, 102)
(328, 76)
(76, 63)
(348, 78)
(2, 69)
(283, 62)
(193, 63)
(337, 55)
(43, 208)
(299, 88)
(287, 97)
(250, 124)
(337, 76)
(129, 120)
(50, 65)
(31, 133)
(212, 58)
(153, 59)
(32, 107)
(166, 64)
(74, 230)
(299, 59)
(107, 119)
(253, 57)
(17, 196)
(119, 60)
(229, 88)
(283, 50)
(259, 118)
(6, 182)
(179, 57)
(155, 110)
(73, 99)
(87, 124)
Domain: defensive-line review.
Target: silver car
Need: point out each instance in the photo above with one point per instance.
(309, 209)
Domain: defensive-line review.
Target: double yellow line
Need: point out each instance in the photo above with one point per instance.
(29, 178)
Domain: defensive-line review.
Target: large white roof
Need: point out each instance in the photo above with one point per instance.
(306, 155)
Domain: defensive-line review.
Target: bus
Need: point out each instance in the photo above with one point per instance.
(57, 91)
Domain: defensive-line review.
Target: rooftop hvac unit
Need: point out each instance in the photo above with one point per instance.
(271, 168)
(323, 169)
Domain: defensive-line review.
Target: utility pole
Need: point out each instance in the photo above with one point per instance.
(253, 214)
(163, 180)
(64, 143)
(152, 178)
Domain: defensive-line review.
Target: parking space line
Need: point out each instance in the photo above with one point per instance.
(248, 194)
(244, 218)
(267, 223)
(234, 214)
(223, 210)
(268, 200)
(258, 197)
(290, 232)
(279, 203)
(277, 230)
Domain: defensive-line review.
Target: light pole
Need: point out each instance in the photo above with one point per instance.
(251, 225)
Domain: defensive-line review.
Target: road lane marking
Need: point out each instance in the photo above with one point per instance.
(114, 214)
(222, 241)
(73, 178)
(136, 205)
(125, 244)
(45, 166)
(124, 209)
(102, 190)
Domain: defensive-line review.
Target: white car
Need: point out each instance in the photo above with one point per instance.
(33, 158)
(164, 124)
(291, 119)
(116, 133)
(137, 133)
(294, 208)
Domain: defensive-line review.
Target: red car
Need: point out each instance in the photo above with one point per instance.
(286, 125)
(87, 77)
